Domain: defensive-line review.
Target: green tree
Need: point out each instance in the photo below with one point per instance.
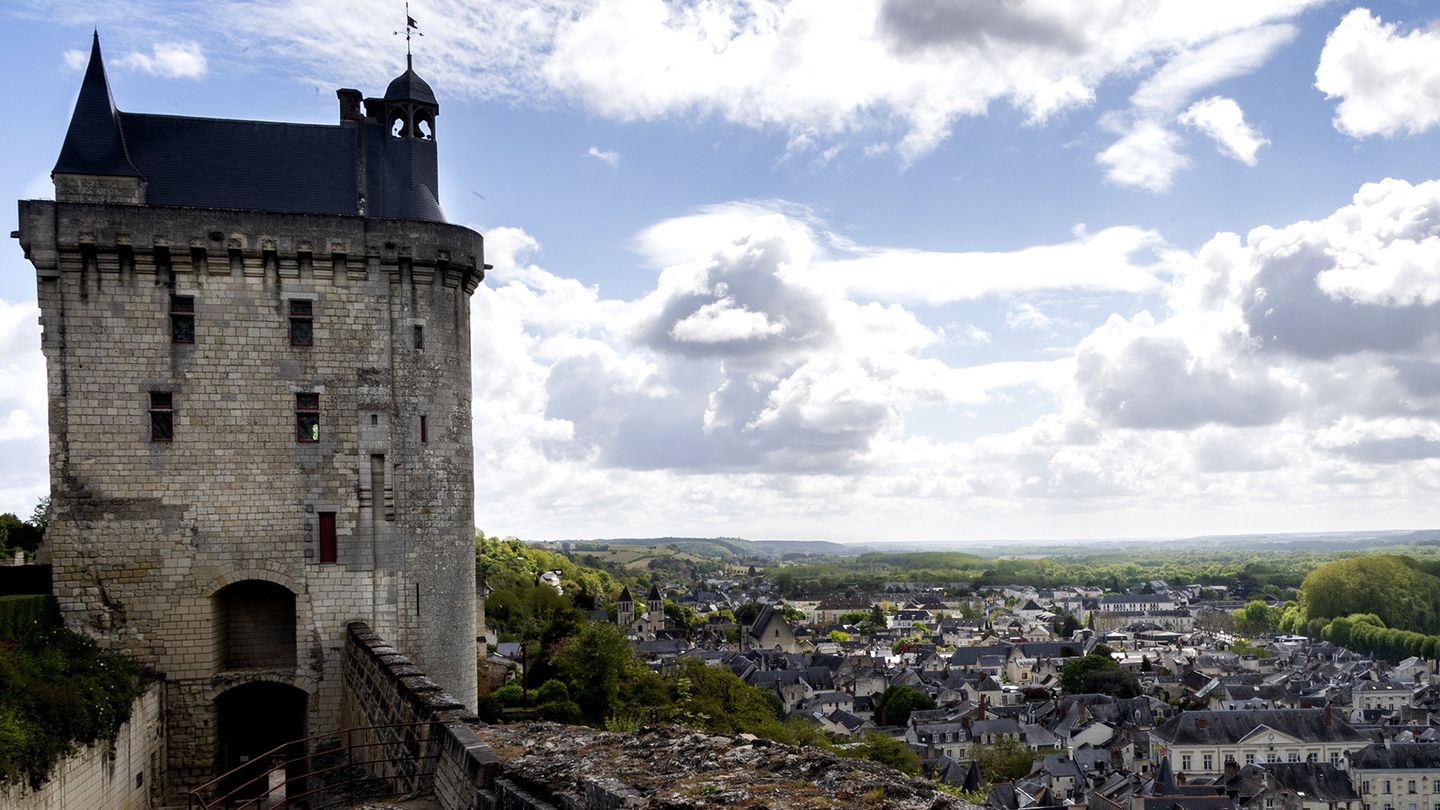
(1097, 674)
(1394, 587)
(886, 750)
(17, 535)
(897, 702)
(1008, 759)
(594, 662)
(1257, 618)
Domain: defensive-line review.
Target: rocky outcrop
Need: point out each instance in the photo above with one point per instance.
(675, 768)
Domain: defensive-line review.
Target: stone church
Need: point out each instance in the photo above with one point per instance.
(257, 345)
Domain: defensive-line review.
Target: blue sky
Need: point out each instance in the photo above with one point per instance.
(882, 269)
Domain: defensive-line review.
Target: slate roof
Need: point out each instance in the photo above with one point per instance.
(1398, 756)
(1229, 727)
(408, 86)
(259, 165)
(1315, 781)
(254, 165)
(94, 143)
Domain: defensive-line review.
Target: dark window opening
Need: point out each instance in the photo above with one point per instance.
(327, 537)
(307, 417)
(419, 338)
(182, 319)
(374, 419)
(302, 323)
(424, 429)
(162, 416)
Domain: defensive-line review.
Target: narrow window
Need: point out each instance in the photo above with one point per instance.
(162, 416)
(182, 319)
(327, 537)
(307, 417)
(302, 322)
(424, 429)
(419, 338)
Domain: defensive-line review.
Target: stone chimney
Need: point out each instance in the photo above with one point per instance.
(349, 104)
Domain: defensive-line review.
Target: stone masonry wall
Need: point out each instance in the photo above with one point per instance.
(126, 774)
(545, 766)
(407, 727)
(143, 535)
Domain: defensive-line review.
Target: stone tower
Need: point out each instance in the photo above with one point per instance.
(258, 353)
(625, 609)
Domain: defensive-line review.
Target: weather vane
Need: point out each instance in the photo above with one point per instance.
(410, 25)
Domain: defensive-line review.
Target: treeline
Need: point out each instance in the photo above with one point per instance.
(1243, 571)
(1386, 605)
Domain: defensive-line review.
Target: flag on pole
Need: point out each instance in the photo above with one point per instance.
(410, 22)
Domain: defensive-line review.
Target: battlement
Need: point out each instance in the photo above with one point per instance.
(148, 240)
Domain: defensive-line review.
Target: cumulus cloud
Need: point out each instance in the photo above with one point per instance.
(1387, 82)
(1147, 156)
(1118, 259)
(169, 60)
(882, 75)
(1148, 153)
(1139, 374)
(609, 157)
(1222, 119)
(23, 437)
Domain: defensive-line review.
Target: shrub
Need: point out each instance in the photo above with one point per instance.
(58, 690)
(509, 695)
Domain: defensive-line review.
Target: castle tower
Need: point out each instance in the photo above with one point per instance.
(258, 356)
(654, 602)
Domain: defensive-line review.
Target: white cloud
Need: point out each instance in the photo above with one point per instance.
(966, 334)
(1226, 57)
(609, 157)
(169, 60)
(76, 59)
(1026, 317)
(24, 477)
(1222, 119)
(1388, 83)
(1120, 258)
(1147, 156)
(870, 74)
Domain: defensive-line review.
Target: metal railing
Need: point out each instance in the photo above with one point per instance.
(332, 770)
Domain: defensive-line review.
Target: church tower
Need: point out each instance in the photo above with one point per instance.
(625, 609)
(257, 342)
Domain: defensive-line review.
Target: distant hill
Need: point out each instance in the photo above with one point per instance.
(730, 548)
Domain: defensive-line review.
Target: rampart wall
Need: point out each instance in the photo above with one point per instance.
(546, 766)
(127, 773)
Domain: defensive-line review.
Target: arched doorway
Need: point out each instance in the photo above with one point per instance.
(254, 626)
(253, 719)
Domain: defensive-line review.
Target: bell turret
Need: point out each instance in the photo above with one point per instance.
(410, 105)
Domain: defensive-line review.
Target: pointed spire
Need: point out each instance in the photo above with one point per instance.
(95, 141)
(1165, 780)
(972, 777)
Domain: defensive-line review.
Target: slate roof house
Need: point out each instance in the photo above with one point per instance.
(1201, 742)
